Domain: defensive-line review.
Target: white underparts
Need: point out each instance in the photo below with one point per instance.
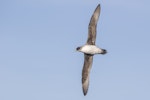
(90, 49)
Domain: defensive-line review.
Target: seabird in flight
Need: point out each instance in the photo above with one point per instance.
(90, 49)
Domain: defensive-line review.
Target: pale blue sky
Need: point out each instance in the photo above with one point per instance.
(38, 60)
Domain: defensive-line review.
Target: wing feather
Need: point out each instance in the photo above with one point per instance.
(92, 26)
(88, 59)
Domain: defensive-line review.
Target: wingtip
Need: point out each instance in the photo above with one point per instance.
(84, 92)
(98, 8)
(99, 5)
(85, 89)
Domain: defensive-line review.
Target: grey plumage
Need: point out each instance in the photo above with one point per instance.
(88, 59)
(92, 26)
(90, 49)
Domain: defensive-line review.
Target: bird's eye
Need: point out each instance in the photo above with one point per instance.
(77, 48)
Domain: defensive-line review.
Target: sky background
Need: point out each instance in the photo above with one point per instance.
(38, 57)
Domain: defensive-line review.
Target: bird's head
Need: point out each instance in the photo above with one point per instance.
(104, 51)
(78, 48)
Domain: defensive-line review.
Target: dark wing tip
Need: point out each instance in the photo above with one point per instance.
(85, 86)
(85, 83)
(85, 91)
(98, 6)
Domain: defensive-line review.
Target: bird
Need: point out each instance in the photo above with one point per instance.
(90, 49)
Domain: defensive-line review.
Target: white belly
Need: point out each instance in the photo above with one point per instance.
(90, 49)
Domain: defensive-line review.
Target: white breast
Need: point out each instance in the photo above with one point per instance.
(90, 49)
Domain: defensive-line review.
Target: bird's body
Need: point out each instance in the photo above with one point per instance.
(90, 49)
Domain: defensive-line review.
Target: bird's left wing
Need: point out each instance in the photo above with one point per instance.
(92, 26)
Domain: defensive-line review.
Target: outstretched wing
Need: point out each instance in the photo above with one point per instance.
(88, 59)
(92, 26)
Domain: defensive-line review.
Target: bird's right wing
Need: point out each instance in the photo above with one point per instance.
(88, 59)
